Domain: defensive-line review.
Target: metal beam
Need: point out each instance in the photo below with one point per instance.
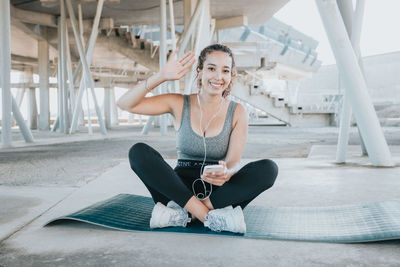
(359, 98)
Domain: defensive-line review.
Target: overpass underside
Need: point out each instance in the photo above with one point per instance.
(118, 43)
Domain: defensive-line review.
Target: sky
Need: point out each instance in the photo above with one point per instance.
(380, 31)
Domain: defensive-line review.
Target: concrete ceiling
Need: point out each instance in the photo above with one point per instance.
(128, 12)
(123, 12)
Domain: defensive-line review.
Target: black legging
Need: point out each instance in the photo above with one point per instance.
(165, 183)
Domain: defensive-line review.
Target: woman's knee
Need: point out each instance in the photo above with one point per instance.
(137, 153)
(269, 170)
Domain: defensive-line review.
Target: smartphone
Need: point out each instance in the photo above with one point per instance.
(213, 168)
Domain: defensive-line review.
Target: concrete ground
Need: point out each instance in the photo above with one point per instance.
(61, 174)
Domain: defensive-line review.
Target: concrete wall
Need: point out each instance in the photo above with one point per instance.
(382, 77)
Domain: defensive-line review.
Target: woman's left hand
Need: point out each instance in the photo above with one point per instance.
(218, 177)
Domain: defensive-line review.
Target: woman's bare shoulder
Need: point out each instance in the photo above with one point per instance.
(240, 114)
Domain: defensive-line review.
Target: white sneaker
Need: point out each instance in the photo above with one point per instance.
(226, 219)
(163, 216)
(173, 205)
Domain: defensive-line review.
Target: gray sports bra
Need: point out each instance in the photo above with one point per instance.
(189, 144)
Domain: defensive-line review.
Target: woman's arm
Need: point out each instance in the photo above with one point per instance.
(135, 101)
(238, 139)
(237, 143)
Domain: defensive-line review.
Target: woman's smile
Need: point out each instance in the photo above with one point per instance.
(217, 85)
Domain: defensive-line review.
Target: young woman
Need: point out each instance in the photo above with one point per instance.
(211, 130)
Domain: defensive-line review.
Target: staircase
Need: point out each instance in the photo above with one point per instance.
(277, 106)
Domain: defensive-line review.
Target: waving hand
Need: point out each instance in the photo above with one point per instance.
(175, 69)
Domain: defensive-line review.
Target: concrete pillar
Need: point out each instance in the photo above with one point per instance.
(65, 106)
(86, 59)
(44, 95)
(359, 98)
(175, 84)
(107, 106)
(60, 125)
(5, 68)
(89, 116)
(70, 92)
(114, 109)
(32, 109)
(163, 88)
(200, 18)
(20, 96)
(188, 10)
(26, 133)
(353, 25)
(163, 59)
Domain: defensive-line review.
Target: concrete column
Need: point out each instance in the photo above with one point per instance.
(65, 88)
(107, 106)
(163, 60)
(32, 109)
(353, 25)
(69, 76)
(359, 98)
(86, 59)
(43, 55)
(190, 27)
(5, 68)
(114, 109)
(345, 8)
(188, 9)
(20, 96)
(60, 118)
(26, 133)
(202, 12)
(89, 116)
(202, 37)
(175, 84)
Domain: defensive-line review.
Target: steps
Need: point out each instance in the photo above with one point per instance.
(276, 106)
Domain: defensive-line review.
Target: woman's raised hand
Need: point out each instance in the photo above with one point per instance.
(175, 69)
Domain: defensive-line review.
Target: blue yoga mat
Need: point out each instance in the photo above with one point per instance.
(341, 224)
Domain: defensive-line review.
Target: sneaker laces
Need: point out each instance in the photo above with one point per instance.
(180, 215)
(215, 223)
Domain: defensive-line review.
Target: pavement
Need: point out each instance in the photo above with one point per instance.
(34, 192)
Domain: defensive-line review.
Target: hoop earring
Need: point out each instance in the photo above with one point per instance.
(227, 91)
(199, 84)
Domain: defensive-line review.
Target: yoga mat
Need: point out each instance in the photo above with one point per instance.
(341, 224)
